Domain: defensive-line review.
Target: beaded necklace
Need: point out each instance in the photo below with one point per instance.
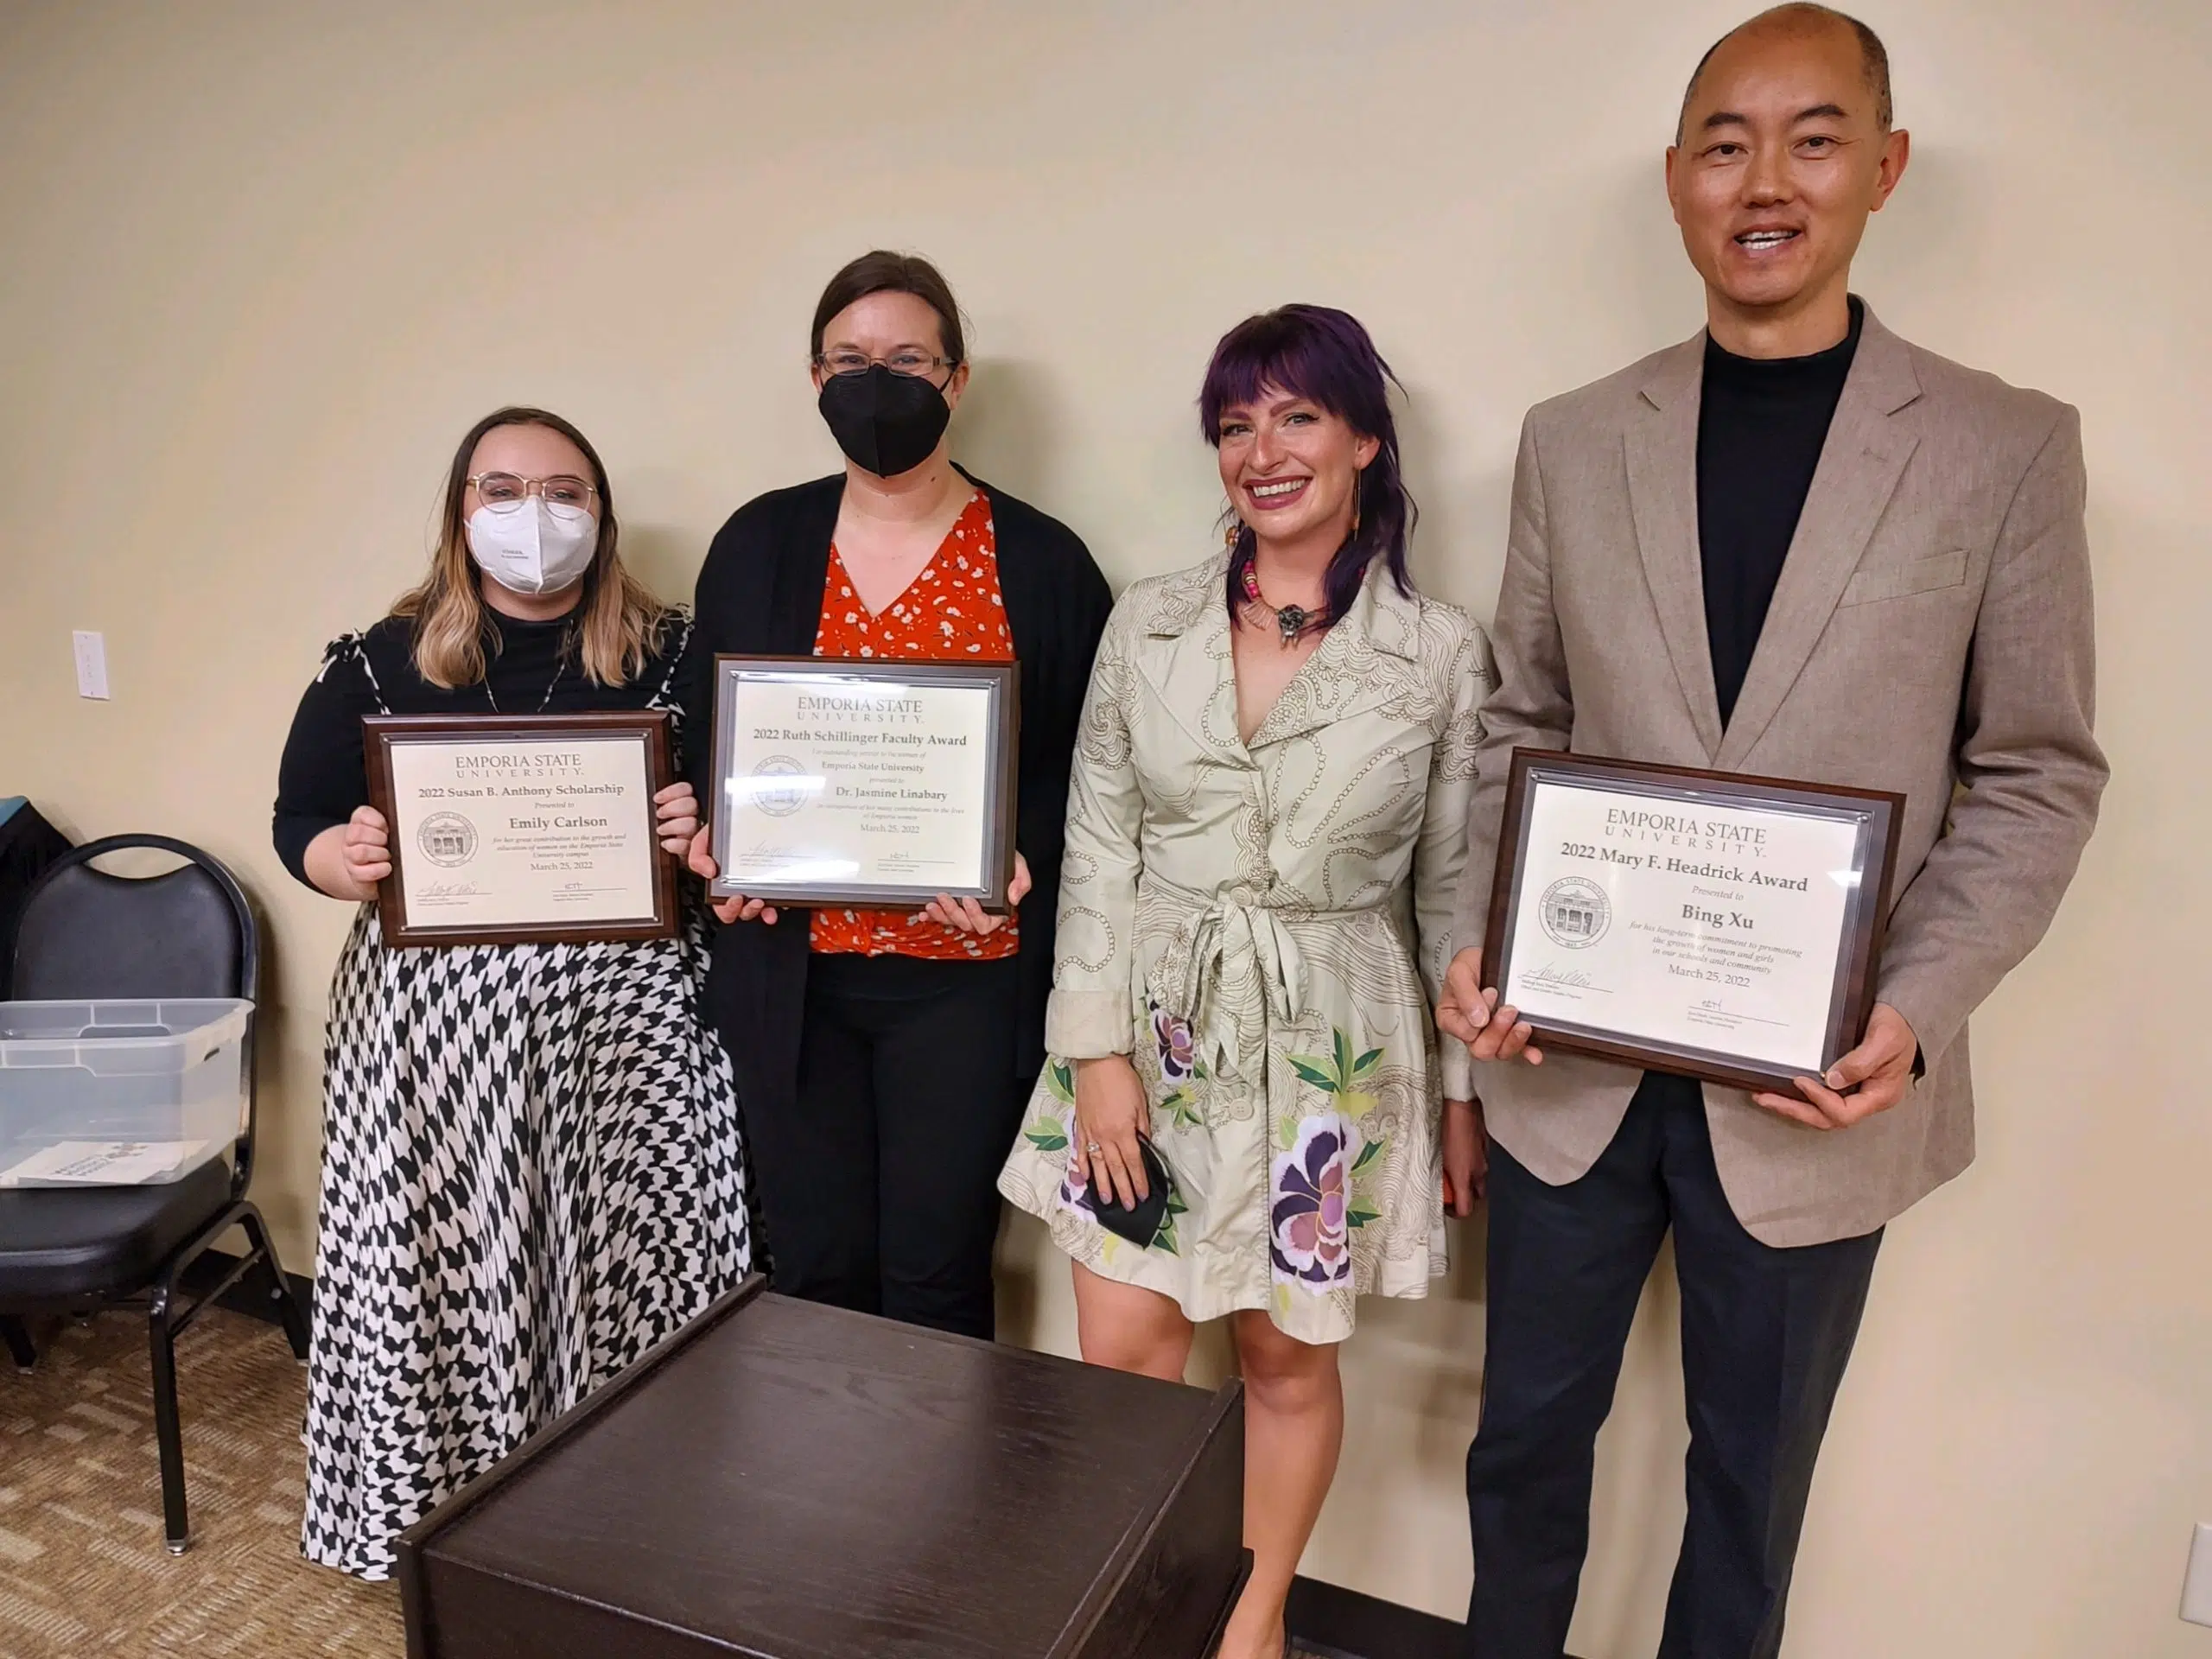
(1291, 621)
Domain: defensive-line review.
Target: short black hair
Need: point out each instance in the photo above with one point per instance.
(1875, 58)
(884, 272)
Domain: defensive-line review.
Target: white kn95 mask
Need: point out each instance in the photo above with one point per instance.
(533, 548)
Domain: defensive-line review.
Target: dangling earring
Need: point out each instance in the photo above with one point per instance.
(1358, 479)
(1232, 529)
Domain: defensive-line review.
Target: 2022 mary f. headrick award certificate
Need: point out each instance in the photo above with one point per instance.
(1721, 926)
(509, 828)
(854, 782)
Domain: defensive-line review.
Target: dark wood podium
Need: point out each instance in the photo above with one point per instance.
(785, 1481)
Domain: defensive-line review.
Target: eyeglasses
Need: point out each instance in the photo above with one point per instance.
(910, 363)
(505, 491)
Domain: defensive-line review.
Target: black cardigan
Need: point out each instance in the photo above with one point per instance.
(760, 593)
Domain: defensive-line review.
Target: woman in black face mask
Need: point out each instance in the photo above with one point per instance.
(883, 1057)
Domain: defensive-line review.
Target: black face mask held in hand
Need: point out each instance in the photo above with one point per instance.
(886, 424)
(1140, 1223)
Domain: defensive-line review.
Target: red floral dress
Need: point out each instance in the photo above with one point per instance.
(950, 613)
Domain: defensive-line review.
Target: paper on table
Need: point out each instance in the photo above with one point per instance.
(102, 1163)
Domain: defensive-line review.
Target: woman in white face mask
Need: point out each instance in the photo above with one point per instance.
(531, 1167)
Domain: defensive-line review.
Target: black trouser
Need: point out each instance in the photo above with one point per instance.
(881, 1190)
(1766, 1336)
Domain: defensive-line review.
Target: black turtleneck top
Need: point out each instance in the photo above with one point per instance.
(1761, 424)
(530, 668)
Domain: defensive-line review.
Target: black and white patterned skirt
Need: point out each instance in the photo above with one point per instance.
(531, 1173)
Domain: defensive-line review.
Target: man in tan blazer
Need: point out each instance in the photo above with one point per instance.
(1794, 546)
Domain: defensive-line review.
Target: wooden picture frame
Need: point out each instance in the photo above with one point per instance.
(1856, 952)
(1000, 682)
(655, 915)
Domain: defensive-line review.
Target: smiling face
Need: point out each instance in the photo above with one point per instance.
(1291, 467)
(1782, 155)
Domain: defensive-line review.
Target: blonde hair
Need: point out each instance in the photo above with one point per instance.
(619, 624)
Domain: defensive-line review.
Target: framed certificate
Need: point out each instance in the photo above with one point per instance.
(850, 782)
(510, 828)
(1721, 926)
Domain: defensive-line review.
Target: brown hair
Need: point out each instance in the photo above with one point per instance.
(620, 623)
(881, 272)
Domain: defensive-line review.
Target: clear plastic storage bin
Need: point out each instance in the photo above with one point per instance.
(119, 1094)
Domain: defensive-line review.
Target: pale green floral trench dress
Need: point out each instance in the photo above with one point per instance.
(1262, 929)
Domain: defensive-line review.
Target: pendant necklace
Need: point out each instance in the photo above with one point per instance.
(560, 667)
(1291, 621)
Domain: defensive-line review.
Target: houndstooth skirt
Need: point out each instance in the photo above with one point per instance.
(531, 1173)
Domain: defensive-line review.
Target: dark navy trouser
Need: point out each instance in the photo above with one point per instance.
(1766, 1333)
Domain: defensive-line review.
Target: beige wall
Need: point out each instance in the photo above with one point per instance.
(261, 264)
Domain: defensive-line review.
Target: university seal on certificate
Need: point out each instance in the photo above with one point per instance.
(447, 838)
(846, 782)
(507, 829)
(1721, 926)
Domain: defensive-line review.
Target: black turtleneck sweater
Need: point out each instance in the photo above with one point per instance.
(530, 668)
(1761, 423)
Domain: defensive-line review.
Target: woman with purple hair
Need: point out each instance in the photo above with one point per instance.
(1245, 1114)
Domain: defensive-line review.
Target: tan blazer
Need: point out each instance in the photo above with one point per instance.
(1931, 634)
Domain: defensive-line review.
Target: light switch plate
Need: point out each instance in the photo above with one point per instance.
(91, 664)
(2197, 1589)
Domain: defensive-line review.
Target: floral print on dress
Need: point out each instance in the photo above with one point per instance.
(1053, 1132)
(1317, 1204)
(1164, 1239)
(1310, 1223)
(1180, 1068)
(1341, 1074)
(1179, 1055)
(1311, 1173)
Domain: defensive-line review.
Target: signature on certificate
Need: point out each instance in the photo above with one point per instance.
(1553, 977)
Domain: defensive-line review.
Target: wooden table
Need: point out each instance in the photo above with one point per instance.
(787, 1481)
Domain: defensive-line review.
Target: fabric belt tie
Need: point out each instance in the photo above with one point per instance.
(1232, 972)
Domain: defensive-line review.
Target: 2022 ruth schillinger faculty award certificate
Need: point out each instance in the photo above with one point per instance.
(509, 829)
(1721, 926)
(848, 782)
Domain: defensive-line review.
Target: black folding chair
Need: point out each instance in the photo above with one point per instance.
(84, 934)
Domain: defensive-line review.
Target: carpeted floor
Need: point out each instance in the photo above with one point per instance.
(82, 1569)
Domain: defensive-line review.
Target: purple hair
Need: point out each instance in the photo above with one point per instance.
(1319, 353)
